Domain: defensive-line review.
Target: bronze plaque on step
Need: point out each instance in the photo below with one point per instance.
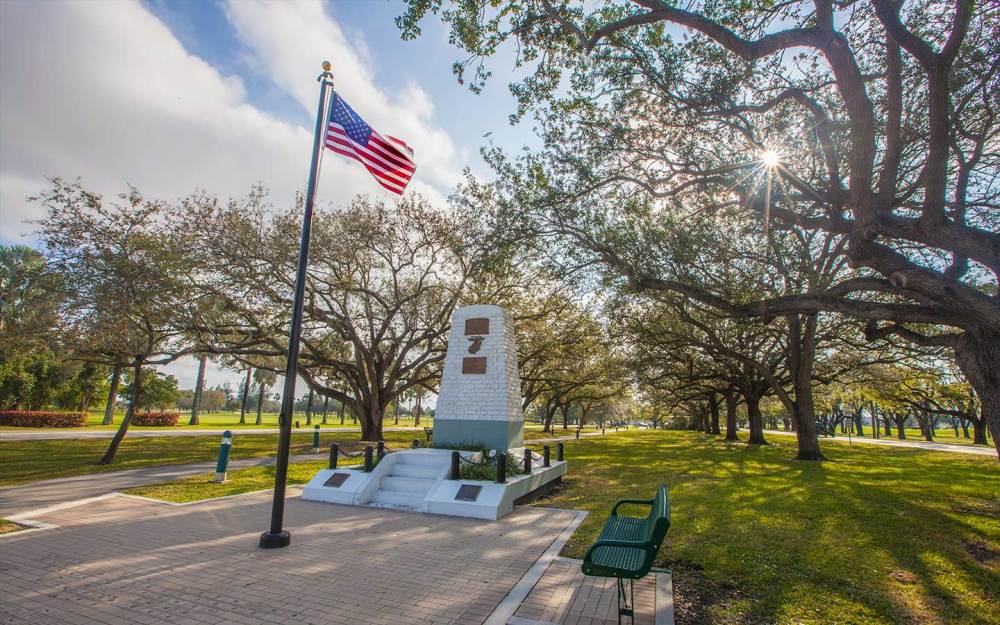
(468, 492)
(474, 364)
(479, 325)
(336, 480)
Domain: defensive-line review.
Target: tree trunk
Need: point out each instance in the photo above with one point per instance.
(756, 420)
(260, 404)
(859, 427)
(801, 356)
(246, 392)
(965, 428)
(371, 424)
(979, 431)
(713, 407)
(309, 408)
(109, 455)
(416, 409)
(978, 356)
(901, 428)
(731, 401)
(550, 413)
(341, 413)
(395, 412)
(196, 404)
(109, 410)
(888, 426)
(565, 416)
(326, 405)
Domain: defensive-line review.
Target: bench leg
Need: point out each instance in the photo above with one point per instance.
(629, 600)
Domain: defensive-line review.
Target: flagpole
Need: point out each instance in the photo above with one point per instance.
(276, 536)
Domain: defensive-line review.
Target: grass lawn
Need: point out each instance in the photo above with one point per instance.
(27, 461)
(876, 535)
(226, 419)
(941, 435)
(199, 487)
(7, 527)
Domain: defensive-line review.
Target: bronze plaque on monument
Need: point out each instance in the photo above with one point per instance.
(336, 480)
(477, 325)
(474, 364)
(468, 492)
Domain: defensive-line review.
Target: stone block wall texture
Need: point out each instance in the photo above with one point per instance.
(487, 402)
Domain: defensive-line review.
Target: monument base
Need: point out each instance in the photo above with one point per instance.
(500, 435)
(418, 480)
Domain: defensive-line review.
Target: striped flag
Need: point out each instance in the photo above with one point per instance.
(387, 158)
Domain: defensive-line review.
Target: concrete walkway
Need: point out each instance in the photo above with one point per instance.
(16, 500)
(127, 561)
(41, 435)
(958, 449)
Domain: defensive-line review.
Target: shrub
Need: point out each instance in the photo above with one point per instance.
(488, 471)
(42, 419)
(156, 419)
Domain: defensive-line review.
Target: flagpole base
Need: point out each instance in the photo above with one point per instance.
(270, 540)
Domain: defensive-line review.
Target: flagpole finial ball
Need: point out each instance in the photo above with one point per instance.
(326, 66)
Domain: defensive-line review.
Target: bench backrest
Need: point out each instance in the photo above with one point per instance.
(657, 524)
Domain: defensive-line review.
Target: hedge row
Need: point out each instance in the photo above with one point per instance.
(42, 419)
(155, 418)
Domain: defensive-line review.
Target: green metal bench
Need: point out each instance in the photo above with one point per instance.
(628, 545)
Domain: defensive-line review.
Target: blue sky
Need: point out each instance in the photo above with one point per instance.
(173, 96)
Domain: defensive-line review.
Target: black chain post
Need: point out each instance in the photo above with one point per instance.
(578, 432)
(456, 471)
(334, 451)
(560, 452)
(527, 461)
(369, 465)
(501, 468)
(546, 456)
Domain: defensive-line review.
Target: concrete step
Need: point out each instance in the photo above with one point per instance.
(398, 499)
(423, 459)
(413, 485)
(416, 471)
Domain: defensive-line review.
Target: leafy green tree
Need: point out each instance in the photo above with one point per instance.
(873, 123)
(158, 391)
(123, 285)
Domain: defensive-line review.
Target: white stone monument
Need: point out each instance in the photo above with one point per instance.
(479, 402)
(480, 396)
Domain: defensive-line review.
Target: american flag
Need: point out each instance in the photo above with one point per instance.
(387, 158)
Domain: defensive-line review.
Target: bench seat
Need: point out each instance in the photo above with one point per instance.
(627, 545)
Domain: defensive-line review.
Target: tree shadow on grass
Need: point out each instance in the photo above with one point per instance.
(872, 537)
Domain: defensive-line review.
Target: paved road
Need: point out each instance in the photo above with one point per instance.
(958, 449)
(40, 435)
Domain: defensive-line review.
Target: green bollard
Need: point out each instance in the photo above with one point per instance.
(316, 440)
(223, 463)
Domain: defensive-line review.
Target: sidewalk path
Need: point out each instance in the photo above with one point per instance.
(34, 495)
(41, 435)
(128, 561)
(958, 449)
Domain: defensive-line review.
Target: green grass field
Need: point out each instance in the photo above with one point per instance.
(940, 436)
(6, 526)
(229, 419)
(874, 536)
(27, 461)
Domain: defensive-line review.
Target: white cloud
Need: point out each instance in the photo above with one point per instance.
(288, 40)
(102, 90)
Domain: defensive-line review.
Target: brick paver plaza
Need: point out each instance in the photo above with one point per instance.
(122, 560)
